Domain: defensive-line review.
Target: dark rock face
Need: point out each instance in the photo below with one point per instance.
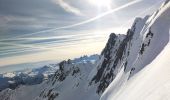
(107, 59)
(166, 1)
(105, 74)
(63, 72)
(60, 74)
(76, 70)
(66, 68)
(50, 95)
(61, 65)
(105, 65)
(149, 36)
(69, 76)
(110, 44)
(122, 48)
(109, 77)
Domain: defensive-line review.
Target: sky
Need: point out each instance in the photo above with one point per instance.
(43, 30)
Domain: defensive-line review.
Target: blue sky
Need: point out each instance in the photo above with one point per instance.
(43, 30)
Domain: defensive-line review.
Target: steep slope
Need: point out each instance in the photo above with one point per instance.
(151, 83)
(70, 78)
(119, 56)
(125, 55)
(103, 74)
(36, 75)
(140, 80)
(125, 68)
(73, 80)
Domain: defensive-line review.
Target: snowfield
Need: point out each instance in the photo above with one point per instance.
(153, 81)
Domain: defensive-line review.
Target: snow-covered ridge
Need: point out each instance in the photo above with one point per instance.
(146, 77)
(36, 76)
(72, 74)
(130, 67)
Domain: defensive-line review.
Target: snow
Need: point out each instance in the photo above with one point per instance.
(37, 75)
(151, 77)
(10, 75)
(152, 83)
(145, 77)
(159, 26)
(71, 85)
(11, 82)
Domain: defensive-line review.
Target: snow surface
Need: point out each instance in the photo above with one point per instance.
(151, 78)
(36, 76)
(151, 83)
(71, 85)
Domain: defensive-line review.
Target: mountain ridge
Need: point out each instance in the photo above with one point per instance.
(121, 61)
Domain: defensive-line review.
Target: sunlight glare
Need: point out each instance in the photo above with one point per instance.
(101, 3)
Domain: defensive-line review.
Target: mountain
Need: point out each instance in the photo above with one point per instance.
(130, 67)
(146, 76)
(26, 77)
(71, 75)
(36, 75)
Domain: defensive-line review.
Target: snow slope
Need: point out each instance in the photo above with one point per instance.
(37, 75)
(130, 67)
(70, 79)
(151, 83)
(150, 77)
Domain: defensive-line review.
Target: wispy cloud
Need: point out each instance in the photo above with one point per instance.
(67, 7)
(39, 30)
(83, 22)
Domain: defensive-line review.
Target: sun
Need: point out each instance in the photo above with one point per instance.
(101, 3)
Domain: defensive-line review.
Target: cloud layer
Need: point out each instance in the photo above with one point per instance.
(52, 27)
(67, 7)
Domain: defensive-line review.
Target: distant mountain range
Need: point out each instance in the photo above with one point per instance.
(36, 75)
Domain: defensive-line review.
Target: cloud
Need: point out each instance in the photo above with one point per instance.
(86, 21)
(67, 7)
(35, 26)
